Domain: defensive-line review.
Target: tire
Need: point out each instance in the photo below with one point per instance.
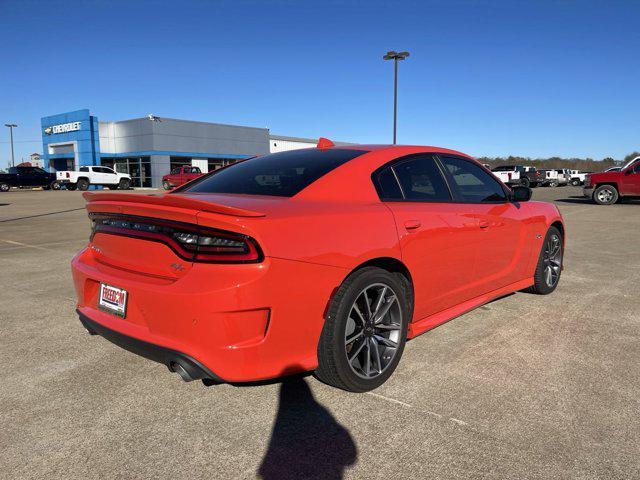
(525, 182)
(54, 185)
(606, 195)
(553, 184)
(71, 186)
(4, 187)
(166, 185)
(575, 182)
(124, 184)
(549, 267)
(83, 184)
(360, 374)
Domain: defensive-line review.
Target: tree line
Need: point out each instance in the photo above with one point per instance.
(583, 164)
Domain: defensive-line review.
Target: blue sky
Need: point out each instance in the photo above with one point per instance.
(487, 77)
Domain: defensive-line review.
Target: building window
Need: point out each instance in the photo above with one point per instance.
(138, 167)
(215, 163)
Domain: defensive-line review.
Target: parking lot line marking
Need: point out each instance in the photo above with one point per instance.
(11, 242)
(459, 422)
(41, 215)
(388, 399)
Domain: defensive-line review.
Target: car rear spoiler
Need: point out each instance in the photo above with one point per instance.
(170, 200)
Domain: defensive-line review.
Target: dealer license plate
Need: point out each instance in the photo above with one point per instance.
(113, 300)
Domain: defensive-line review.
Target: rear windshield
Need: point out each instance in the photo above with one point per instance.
(279, 174)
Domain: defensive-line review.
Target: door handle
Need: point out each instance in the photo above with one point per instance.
(483, 224)
(412, 224)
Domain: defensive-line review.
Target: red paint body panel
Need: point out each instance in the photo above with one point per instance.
(247, 322)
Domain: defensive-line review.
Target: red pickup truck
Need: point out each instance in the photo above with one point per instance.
(607, 188)
(179, 176)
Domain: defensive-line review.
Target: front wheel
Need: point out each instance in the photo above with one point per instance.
(4, 187)
(525, 182)
(575, 182)
(365, 330)
(605, 195)
(55, 185)
(549, 267)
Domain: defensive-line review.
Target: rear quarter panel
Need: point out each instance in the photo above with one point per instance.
(326, 233)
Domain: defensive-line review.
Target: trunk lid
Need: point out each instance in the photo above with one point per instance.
(149, 256)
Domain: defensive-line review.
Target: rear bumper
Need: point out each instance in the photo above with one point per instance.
(240, 323)
(188, 367)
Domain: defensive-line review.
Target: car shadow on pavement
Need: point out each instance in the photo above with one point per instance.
(306, 441)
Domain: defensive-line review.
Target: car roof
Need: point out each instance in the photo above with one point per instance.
(399, 148)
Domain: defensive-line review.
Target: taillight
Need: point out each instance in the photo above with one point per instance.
(68, 176)
(218, 247)
(190, 242)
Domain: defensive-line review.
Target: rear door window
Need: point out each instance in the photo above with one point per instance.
(414, 179)
(421, 180)
(282, 174)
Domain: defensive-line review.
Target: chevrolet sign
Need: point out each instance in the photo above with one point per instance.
(63, 128)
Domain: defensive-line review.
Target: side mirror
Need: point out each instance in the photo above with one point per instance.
(521, 194)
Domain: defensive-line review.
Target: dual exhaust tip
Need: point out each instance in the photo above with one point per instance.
(189, 374)
(180, 370)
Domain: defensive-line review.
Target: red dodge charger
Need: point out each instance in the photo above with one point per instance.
(324, 260)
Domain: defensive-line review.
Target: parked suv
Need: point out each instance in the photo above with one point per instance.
(28, 177)
(180, 176)
(529, 176)
(608, 187)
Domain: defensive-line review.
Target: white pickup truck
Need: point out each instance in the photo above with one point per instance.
(93, 175)
(508, 177)
(554, 178)
(577, 177)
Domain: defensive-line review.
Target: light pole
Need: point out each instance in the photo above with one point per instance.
(11, 127)
(395, 56)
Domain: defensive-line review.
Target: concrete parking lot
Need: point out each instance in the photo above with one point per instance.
(525, 387)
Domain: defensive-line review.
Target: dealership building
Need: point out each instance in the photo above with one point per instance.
(148, 148)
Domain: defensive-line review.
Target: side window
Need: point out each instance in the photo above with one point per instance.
(387, 186)
(473, 184)
(636, 168)
(421, 180)
(175, 171)
(84, 169)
